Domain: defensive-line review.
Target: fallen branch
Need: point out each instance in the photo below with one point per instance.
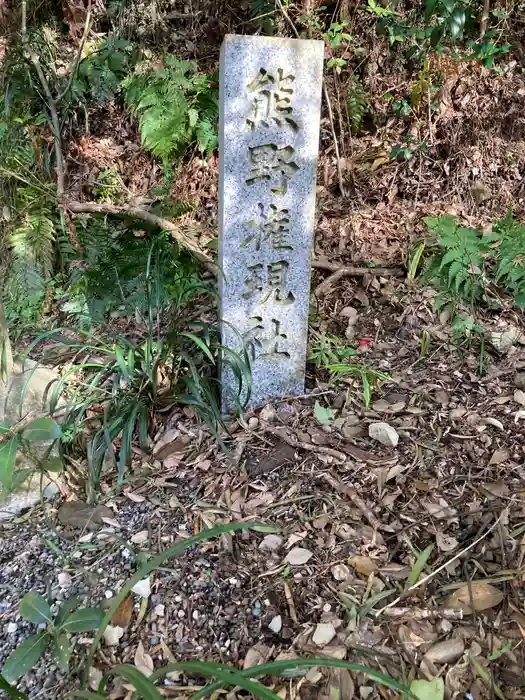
(353, 496)
(338, 272)
(182, 237)
(422, 614)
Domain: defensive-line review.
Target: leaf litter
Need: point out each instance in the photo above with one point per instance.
(406, 557)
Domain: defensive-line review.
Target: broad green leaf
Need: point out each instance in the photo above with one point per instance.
(67, 607)
(53, 464)
(520, 300)
(61, 652)
(428, 690)
(35, 608)
(419, 565)
(430, 6)
(323, 415)
(138, 680)
(25, 656)
(12, 693)
(457, 22)
(44, 428)
(84, 620)
(7, 461)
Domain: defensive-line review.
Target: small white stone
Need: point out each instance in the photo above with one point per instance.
(112, 635)
(181, 614)
(159, 610)
(324, 633)
(195, 614)
(178, 599)
(143, 588)
(64, 579)
(383, 433)
(271, 543)
(253, 423)
(233, 581)
(276, 624)
(340, 572)
(11, 628)
(327, 607)
(108, 594)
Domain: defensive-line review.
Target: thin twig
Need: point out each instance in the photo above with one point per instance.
(182, 238)
(87, 27)
(55, 124)
(336, 144)
(353, 496)
(431, 575)
(340, 272)
(327, 100)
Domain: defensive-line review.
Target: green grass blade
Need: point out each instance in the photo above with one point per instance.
(12, 693)
(278, 667)
(418, 567)
(137, 679)
(200, 344)
(227, 676)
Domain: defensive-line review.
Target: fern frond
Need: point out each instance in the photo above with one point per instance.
(174, 109)
(357, 105)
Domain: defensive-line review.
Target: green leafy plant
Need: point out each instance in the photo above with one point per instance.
(469, 268)
(440, 25)
(21, 438)
(113, 396)
(35, 608)
(330, 353)
(100, 74)
(357, 104)
(175, 108)
(460, 259)
(407, 149)
(507, 245)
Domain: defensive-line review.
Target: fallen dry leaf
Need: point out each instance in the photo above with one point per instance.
(122, 616)
(143, 661)
(255, 656)
(135, 497)
(484, 597)
(447, 651)
(298, 556)
(446, 543)
(363, 565)
(140, 537)
(500, 455)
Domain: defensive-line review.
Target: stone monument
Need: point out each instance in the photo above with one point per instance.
(270, 104)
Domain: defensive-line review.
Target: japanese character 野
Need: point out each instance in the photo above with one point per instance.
(268, 343)
(268, 162)
(275, 286)
(271, 103)
(273, 226)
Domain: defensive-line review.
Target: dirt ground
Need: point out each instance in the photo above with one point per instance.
(340, 578)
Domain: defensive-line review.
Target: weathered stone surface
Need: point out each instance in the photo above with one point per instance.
(33, 403)
(270, 101)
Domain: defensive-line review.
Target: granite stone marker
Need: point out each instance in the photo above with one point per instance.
(270, 103)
